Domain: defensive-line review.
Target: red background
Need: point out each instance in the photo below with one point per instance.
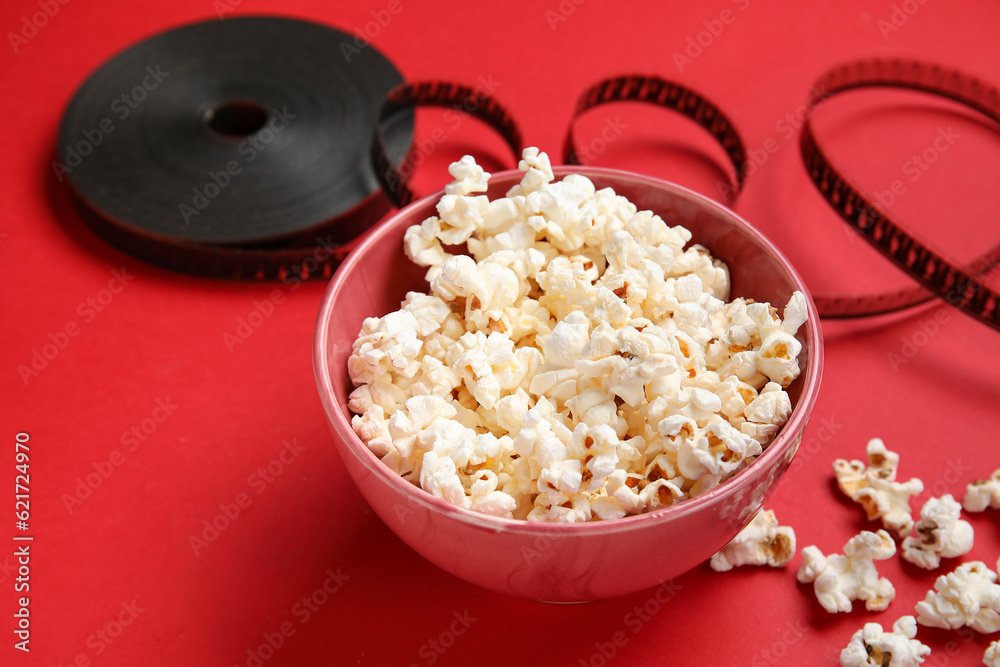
(162, 338)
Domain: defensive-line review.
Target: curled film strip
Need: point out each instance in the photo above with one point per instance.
(670, 95)
(935, 274)
(405, 97)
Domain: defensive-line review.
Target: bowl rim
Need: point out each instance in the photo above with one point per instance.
(811, 379)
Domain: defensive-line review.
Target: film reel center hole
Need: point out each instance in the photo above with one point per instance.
(236, 118)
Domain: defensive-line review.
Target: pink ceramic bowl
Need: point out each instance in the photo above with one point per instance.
(561, 562)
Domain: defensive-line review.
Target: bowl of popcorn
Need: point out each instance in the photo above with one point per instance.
(569, 383)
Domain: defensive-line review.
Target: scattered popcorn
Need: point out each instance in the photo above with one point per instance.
(871, 646)
(838, 579)
(578, 361)
(991, 658)
(968, 596)
(761, 542)
(940, 533)
(983, 493)
(875, 488)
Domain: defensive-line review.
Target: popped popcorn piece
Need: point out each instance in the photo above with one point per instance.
(766, 413)
(577, 361)
(796, 313)
(660, 493)
(839, 579)
(484, 497)
(565, 287)
(373, 429)
(510, 411)
(596, 447)
(761, 542)
(469, 177)
(983, 493)
(940, 533)
(568, 338)
(777, 357)
(561, 508)
(561, 476)
(991, 657)
(409, 426)
(421, 243)
(435, 378)
(537, 171)
(429, 311)
(439, 476)
(459, 216)
(488, 365)
(871, 646)
(875, 488)
(386, 345)
(716, 448)
(967, 596)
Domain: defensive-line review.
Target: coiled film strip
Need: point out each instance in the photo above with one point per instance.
(936, 274)
(249, 166)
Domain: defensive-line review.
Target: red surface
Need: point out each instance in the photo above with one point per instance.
(926, 383)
